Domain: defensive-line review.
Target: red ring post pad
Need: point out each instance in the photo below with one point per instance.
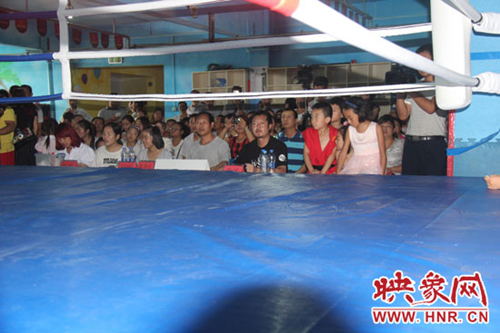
(285, 7)
(29, 57)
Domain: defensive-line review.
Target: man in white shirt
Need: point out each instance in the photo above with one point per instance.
(425, 144)
(209, 147)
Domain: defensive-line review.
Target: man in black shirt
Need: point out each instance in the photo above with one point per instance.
(249, 156)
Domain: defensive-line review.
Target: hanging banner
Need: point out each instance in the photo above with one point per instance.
(4, 24)
(56, 29)
(22, 25)
(104, 40)
(77, 36)
(94, 39)
(41, 26)
(119, 42)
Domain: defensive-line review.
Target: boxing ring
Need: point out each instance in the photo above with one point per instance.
(130, 250)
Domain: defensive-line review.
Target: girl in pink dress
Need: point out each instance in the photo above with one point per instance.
(367, 140)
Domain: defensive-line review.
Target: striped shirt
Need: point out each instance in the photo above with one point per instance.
(295, 147)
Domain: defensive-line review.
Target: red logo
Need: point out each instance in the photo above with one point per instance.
(432, 288)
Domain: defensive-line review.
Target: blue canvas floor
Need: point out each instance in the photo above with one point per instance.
(128, 250)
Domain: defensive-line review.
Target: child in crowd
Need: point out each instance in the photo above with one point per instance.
(47, 143)
(99, 143)
(319, 141)
(340, 144)
(73, 146)
(336, 104)
(109, 155)
(394, 146)
(131, 139)
(367, 141)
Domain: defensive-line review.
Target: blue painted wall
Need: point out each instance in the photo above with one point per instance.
(384, 13)
(482, 117)
(17, 73)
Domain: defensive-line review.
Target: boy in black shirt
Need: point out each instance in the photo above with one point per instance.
(261, 126)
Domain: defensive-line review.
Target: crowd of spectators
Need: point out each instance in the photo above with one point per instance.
(319, 136)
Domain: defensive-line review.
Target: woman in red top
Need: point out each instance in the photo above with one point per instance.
(319, 141)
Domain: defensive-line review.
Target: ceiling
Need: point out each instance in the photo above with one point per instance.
(232, 19)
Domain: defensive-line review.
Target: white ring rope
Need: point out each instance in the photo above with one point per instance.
(489, 82)
(490, 24)
(227, 45)
(467, 9)
(370, 90)
(483, 22)
(328, 20)
(135, 7)
(335, 25)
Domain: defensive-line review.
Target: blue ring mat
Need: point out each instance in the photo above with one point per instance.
(129, 250)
